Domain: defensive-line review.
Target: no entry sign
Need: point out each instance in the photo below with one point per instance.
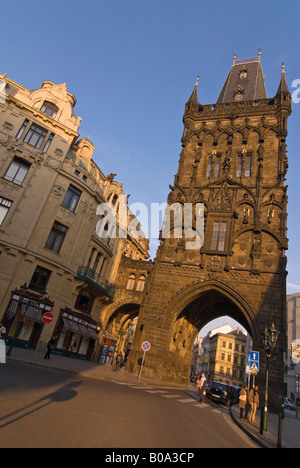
(48, 317)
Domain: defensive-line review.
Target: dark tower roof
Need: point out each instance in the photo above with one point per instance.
(194, 96)
(245, 82)
(283, 86)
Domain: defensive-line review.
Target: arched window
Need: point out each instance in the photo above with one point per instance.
(50, 109)
(141, 283)
(131, 282)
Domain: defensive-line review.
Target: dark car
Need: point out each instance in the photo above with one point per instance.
(222, 393)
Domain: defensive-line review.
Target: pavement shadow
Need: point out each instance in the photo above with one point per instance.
(65, 393)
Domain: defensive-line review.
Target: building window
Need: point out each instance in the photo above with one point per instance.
(244, 164)
(130, 282)
(22, 129)
(48, 143)
(17, 171)
(239, 166)
(50, 109)
(85, 302)
(141, 283)
(35, 136)
(248, 165)
(40, 279)
(219, 236)
(4, 208)
(71, 198)
(217, 166)
(209, 166)
(56, 237)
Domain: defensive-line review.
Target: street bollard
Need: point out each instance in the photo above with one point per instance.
(279, 431)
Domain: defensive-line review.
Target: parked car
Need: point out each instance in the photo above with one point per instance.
(288, 404)
(222, 393)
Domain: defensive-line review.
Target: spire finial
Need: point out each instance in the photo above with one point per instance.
(283, 68)
(234, 57)
(197, 81)
(259, 53)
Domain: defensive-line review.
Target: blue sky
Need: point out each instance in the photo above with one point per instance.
(132, 66)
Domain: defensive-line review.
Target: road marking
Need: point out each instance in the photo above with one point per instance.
(188, 400)
(156, 391)
(171, 396)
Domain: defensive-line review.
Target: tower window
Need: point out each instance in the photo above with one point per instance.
(219, 236)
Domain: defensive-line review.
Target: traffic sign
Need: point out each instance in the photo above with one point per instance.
(254, 361)
(48, 317)
(146, 346)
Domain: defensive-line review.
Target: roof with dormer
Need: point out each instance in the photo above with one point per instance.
(245, 82)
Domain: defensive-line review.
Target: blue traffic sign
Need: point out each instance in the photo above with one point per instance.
(146, 346)
(254, 361)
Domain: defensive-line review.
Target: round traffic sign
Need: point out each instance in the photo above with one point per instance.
(146, 346)
(48, 317)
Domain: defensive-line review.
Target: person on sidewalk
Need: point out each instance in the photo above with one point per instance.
(50, 346)
(243, 401)
(119, 361)
(297, 407)
(253, 400)
(2, 330)
(201, 387)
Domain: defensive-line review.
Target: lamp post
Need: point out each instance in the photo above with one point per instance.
(269, 338)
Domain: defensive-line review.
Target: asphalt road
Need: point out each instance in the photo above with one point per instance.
(41, 408)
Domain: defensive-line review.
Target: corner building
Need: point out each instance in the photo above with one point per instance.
(51, 256)
(234, 161)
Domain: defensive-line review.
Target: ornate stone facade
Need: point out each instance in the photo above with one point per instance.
(234, 161)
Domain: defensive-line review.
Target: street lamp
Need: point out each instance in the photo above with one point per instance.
(269, 338)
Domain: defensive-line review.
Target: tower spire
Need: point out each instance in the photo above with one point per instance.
(194, 96)
(283, 86)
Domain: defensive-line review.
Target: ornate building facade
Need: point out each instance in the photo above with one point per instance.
(57, 254)
(234, 162)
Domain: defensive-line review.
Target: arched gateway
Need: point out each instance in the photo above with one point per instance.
(233, 163)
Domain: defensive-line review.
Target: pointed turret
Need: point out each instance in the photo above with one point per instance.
(283, 86)
(194, 96)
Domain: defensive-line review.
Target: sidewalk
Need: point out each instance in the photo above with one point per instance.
(83, 368)
(290, 429)
(290, 424)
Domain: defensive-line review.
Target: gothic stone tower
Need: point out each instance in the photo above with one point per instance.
(234, 161)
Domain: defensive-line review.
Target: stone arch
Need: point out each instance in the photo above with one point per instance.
(193, 293)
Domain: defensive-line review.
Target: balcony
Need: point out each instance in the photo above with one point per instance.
(97, 283)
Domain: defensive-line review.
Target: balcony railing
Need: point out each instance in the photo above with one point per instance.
(90, 276)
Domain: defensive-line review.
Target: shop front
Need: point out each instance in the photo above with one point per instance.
(23, 319)
(108, 348)
(77, 336)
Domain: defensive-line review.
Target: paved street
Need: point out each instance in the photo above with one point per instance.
(48, 408)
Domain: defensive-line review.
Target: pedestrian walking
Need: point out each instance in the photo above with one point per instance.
(201, 387)
(2, 330)
(50, 347)
(119, 361)
(297, 407)
(253, 400)
(243, 401)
